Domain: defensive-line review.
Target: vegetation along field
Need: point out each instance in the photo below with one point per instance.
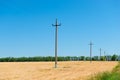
(69, 70)
(108, 75)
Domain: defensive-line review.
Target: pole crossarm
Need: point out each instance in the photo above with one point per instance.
(56, 24)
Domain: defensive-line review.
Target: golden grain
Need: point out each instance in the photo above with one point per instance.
(78, 70)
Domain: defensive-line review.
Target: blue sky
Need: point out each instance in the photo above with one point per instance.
(25, 27)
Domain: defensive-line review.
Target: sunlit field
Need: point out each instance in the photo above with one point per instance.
(78, 70)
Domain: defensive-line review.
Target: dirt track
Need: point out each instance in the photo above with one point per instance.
(45, 70)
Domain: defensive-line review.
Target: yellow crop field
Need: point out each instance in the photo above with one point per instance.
(71, 70)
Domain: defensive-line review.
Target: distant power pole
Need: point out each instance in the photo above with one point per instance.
(100, 53)
(104, 56)
(91, 51)
(56, 40)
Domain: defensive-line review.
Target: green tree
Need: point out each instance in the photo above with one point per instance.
(114, 57)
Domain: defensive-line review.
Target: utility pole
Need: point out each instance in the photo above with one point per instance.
(104, 56)
(100, 53)
(91, 51)
(56, 40)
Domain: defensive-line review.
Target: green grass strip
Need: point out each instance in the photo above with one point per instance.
(113, 75)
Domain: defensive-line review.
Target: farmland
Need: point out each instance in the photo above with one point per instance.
(71, 70)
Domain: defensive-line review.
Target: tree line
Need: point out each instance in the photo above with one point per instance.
(60, 58)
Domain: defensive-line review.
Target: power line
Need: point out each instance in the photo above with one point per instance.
(56, 40)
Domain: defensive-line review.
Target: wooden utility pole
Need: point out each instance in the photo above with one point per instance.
(56, 40)
(91, 51)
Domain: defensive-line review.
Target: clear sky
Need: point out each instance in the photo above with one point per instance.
(25, 27)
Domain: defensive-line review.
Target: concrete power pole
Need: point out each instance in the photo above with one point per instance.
(100, 53)
(56, 40)
(91, 51)
(105, 55)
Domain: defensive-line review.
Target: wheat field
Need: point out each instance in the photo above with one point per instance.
(71, 70)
